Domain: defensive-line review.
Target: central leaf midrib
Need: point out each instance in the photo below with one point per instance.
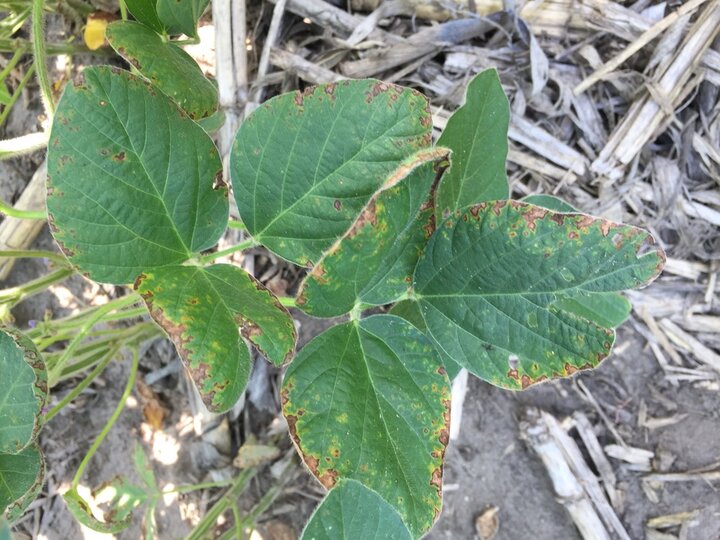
(522, 325)
(323, 181)
(357, 328)
(188, 250)
(456, 254)
(463, 173)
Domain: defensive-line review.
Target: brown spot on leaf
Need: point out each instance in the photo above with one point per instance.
(176, 333)
(569, 369)
(119, 157)
(318, 274)
(312, 462)
(218, 182)
(436, 479)
(430, 226)
(617, 240)
(299, 99)
(607, 226)
(573, 235)
(337, 205)
(248, 328)
(584, 222)
(531, 214)
(476, 209)
(558, 218)
(138, 282)
(284, 399)
(498, 206)
(442, 371)
(444, 437)
(377, 88)
(328, 478)
(369, 215)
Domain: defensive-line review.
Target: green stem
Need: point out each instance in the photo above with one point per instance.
(209, 519)
(238, 524)
(33, 254)
(287, 301)
(103, 310)
(262, 505)
(111, 421)
(270, 496)
(13, 212)
(245, 244)
(195, 487)
(86, 359)
(54, 330)
(25, 144)
(83, 8)
(40, 55)
(82, 386)
(123, 10)
(12, 45)
(11, 65)
(188, 41)
(239, 225)
(19, 293)
(16, 94)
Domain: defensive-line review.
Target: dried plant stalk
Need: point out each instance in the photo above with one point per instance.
(19, 234)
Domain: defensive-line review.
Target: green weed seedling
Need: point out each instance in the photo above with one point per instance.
(344, 180)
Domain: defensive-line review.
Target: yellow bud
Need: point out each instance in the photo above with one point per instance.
(94, 35)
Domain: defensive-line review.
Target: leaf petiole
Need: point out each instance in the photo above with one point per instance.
(119, 303)
(40, 55)
(210, 257)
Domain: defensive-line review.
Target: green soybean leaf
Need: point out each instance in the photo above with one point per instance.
(477, 135)
(369, 400)
(550, 202)
(305, 164)
(170, 69)
(410, 311)
(606, 309)
(82, 511)
(130, 179)
(24, 394)
(5, 530)
(351, 511)
(145, 12)
(181, 16)
(373, 262)
(21, 479)
(122, 498)
(212, 123)
(207, 312)
(489, 281)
